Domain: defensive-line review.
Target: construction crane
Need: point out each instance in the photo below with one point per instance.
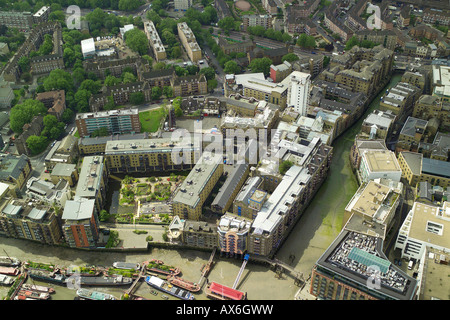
(241, 270)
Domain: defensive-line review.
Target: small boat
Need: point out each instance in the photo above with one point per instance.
(9, 271)
(166, 287)
(83, 271)
(153, 292)
(94, 295)
(164, 297)
(34, 294)
(126, 265)
(33, 287)
(6, 280)
(9, 261)
(184, 284)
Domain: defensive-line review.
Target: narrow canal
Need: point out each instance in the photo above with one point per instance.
(315, 231)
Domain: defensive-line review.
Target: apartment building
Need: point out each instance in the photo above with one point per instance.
(182, 4)
(233, 233)
(80, 223)
(149, 155)
(65, 171)
(441, 82)
(96, 146)
(412, 133)
(55, 101)
(189, 42)
(24, 20)
(255, 85)
(248, 202)
(159, 51)
(378, 124)
(387, 38)
(28, 219)
(346, 271)
(189, 85)
(15, 170)
(42, 64)
(299, 85)
(116, 121)
(33, 128)
(230, 188)
(361, 145)
(280, 72)
(432, 15)
(416, 168)
(115, 67)
(425, 226)
(6, 93)
(400, 100)
(229, 47)
(93, 181)
(254, 20)
(199, 234)
(119, 94)
(417, 78)
(158, 78)
(195, 189)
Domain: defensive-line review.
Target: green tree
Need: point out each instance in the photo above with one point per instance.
(37, 144)
(167, 91)
(208, 72)
(23, 113)
(353, 41)
(227, 23)
(261, 65)
(284, 166)
(137, 41)
(128, 77)
(137, 98)
(59, 80)
(24, 64)
(156, 93)
(178, 111)
(231, 67)
(290, 57)
(111, 81)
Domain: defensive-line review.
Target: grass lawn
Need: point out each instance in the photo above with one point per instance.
(150, 120)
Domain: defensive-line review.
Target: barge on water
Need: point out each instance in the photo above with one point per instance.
(126, 265)
(184, 284)
(33, 295)
(47, 276)
(104, 281)
(94, 295)
(164, 286)
(9, 262)
(9, 271)
(33, 287)
(6, 280)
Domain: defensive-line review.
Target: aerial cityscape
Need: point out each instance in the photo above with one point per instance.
(224, 150)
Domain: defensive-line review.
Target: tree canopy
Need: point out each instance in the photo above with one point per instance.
(23, 113)
(137, 41)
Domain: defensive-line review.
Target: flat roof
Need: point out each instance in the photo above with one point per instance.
(422, 214)
(133, 146)
(279, 201)
(90, 177)
(191, 188)
(350, 256)
(381, 160)
(88, 45)
(436, 167)
(78, 209)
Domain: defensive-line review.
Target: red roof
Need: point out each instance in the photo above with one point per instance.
(225, 291)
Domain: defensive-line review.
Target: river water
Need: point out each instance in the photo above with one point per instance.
(315, 231)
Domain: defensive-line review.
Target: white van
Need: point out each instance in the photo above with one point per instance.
(410, 264)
